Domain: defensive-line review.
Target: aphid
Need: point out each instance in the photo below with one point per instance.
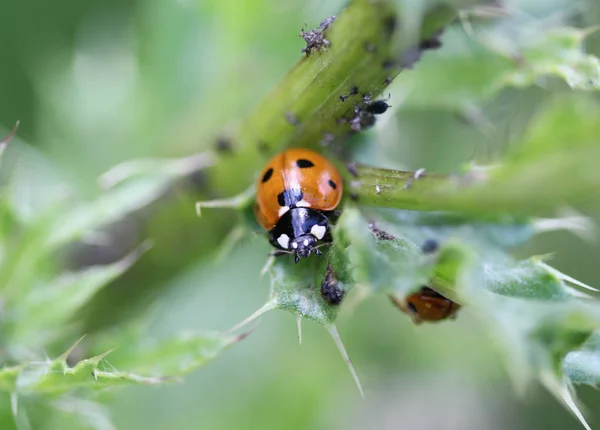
(291, 118)
(352, 169)
(380, 234)
(353, 91)
(326, 23)
(362, 120)
(314, 38)
(224, 145)
(427, 305)
(296, 197)
(330, 288)
(430, 246)
(378, 106)
(327, 139)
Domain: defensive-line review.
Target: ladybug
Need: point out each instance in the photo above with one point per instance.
(427, 305)
(296, 197)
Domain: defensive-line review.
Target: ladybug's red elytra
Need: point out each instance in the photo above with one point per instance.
(297, 193)
(427, 305)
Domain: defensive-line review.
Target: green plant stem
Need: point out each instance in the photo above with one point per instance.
(397, 189)
(304, 109)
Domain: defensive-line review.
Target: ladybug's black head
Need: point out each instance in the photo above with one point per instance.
(303, 245)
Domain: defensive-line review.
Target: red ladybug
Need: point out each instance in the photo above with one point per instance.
(427, 305)
(296, 197)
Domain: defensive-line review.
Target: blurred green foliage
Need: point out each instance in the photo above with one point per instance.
(98, 83)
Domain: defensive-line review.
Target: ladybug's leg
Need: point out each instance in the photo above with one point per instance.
(278, 253)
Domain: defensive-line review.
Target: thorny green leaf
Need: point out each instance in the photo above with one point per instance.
(161, 362)
(478, 66)
(42, 317)
(176, 356)
(130, 186)
(582, 366)
(378, 260)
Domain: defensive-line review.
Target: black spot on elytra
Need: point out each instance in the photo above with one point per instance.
(332, 184)
(267, 175)
(289, 197)
(304, 164)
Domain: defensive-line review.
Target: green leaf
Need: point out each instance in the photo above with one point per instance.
(37, 317)
(176, 356)
(582, 366)
(130, 186)
(379, 260)
(161, 362)
(558, 52)
(512, 53)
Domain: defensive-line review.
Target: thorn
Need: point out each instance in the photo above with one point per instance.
(299, 325)
(269, 306)
(338, 342)
(268, 264)
(228, 244)
(566, 277)
(296, 259)
(64, 355)
(318, 252)
(10, 135)
(561, 391)
(14, 403)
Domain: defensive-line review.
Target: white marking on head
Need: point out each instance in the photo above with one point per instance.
(318, 231)
(283, 240)
(283, 209)
(305, 242)
(294, 245)
(302, 204)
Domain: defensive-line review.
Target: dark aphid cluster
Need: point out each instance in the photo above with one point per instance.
(330, 288)
(412, 55)
(353, 91)
(380, 234)
(364, 115)
(315, 39)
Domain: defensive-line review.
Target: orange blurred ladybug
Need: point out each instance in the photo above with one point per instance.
(427, 305)
(296, 197)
